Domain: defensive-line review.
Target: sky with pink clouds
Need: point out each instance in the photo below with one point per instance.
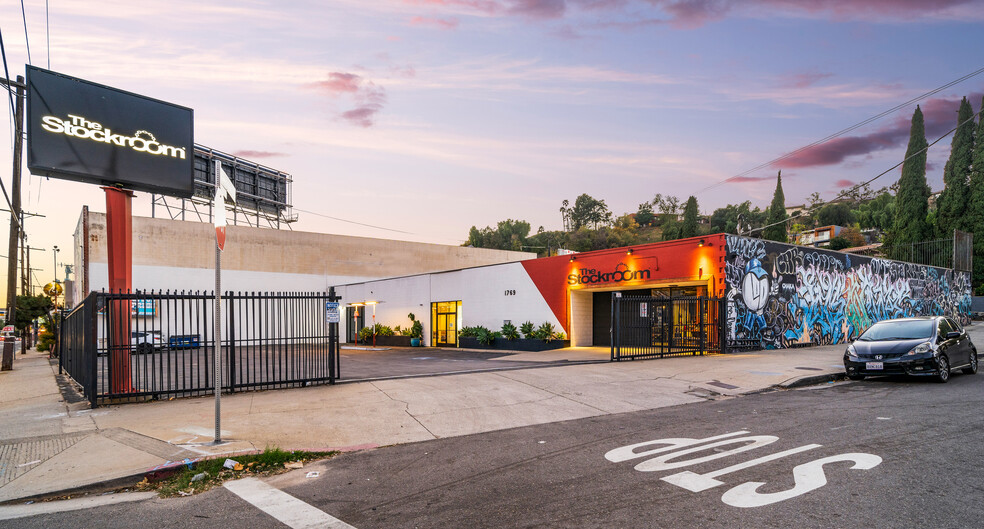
(429, 116)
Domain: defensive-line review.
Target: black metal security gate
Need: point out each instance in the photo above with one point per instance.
(135, 346)
(654, 327)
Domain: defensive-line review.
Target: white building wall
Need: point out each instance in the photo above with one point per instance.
(396, 298)
(484, 299)
(485, 293)
(582, 318)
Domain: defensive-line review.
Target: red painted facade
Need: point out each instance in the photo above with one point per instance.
(683, 261)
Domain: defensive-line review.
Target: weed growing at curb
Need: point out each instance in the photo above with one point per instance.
(210, 473)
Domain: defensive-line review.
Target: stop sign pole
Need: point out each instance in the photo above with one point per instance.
(223, 189)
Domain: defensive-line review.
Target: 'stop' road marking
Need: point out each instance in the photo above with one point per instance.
(287, 509)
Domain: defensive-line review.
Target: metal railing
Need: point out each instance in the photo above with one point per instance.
(145, 345)
(654, 327)
(956, 253)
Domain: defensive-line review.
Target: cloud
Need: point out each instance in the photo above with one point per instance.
(371, 100)
(803, 80)
(369, 97)
(741, 179)
(258, 154)
(339, 82)
(939, 116)
(692, 14)
(437, 23)
(538, 8)
(843, 183)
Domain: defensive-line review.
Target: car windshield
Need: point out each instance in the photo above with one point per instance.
(899, 330)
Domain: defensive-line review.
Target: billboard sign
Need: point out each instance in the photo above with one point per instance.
(87, 132)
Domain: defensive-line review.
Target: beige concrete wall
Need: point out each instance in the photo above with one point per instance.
(180, 245)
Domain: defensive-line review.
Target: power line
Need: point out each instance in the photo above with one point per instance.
(27, 41)
(6, 73)
(47, 33)
(843, 131)
(883, 173)
(353, 222)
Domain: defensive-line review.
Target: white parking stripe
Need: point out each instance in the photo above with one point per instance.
(287, 509)
(11, 512)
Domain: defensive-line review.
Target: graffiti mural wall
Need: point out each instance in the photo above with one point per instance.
(780, 295)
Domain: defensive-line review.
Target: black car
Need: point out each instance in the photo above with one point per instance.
(924, 346)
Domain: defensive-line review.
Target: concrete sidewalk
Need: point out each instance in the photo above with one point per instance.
(49, 444)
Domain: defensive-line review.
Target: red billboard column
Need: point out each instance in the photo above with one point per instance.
(119, 231)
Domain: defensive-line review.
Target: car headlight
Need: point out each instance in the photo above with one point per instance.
(922, 348)
(851, 352)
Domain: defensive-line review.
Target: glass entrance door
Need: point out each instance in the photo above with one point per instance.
(444, 323)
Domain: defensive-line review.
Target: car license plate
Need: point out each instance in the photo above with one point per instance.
(874, 365)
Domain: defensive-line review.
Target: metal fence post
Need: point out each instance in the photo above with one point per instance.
(90, 315)
(231, 333)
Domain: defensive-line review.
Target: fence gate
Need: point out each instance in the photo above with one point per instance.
(145, 345)
(654, 327)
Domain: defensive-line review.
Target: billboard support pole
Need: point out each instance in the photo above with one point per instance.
(119, 239)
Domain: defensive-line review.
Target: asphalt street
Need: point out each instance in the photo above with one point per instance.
(885, 452)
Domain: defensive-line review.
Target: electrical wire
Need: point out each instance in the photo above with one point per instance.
(866, 182)
(6, 73)
(843, 131)
(47, 33)
(353, 222)
(27, 41)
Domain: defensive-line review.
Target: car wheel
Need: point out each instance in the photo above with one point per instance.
(145, 348)
(856, 377)
(972, 368)
(943, 369)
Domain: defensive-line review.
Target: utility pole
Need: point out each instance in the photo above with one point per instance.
(15, 200)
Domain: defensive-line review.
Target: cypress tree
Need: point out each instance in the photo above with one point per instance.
(974, 213)
(689, 226)
(776, 221)
(912, 200)
(953, 200)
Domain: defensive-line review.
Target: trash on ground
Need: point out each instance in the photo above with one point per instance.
(238, 466)
(312, 474)
(198, 477)
(229, 463)
(294, 465)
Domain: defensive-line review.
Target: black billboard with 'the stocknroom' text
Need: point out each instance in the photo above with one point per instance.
(87, 132)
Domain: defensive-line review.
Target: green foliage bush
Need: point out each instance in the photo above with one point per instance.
(509, 331)
(527, 329)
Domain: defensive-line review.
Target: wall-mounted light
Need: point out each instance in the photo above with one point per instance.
(701, 243)
(628, 252)
(573, 258)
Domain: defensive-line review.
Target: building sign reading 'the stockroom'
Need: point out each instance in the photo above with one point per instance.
(621, 273)
(83, 131)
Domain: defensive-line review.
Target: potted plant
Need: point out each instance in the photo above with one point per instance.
(416, 331)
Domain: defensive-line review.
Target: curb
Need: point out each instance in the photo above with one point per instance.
(813, 380)
(122, 482)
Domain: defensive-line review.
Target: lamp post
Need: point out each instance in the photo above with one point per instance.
(55, 262)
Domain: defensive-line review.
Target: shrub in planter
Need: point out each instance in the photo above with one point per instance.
(416, 330)
(509, 331)
(545, 332)
(527, 329)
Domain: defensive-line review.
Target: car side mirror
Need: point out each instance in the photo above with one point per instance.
(952, 334)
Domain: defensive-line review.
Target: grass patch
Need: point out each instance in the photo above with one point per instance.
(211, 472)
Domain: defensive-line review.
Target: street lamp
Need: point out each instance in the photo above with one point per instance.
(55, 262)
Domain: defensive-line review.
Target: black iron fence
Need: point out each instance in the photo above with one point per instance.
(654, 327)
(140, 345)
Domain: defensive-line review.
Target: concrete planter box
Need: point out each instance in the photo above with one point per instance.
(392, 341)
(520, 344)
